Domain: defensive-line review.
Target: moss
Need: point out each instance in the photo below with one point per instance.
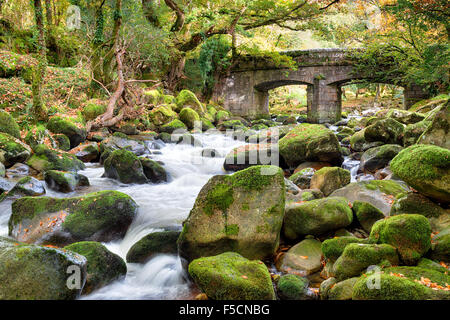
(229, 276)
(329, 179)
(385, 186)
(153, 170)
(187, 98)
(189, 117)
(219, 198)
(124, 166)
(92, 110)
(155, 243)
(232, 230)
(162, 115)
(367, 214)
(342, 290)
(9, 125)
(13, 150)
(74, 131)
(222, 115)
(206, 124)
(410, 234)
(173, 126)
(292, 287)
(46, 159)
(254, 179)
(120, 135)
(154, 96)
(333, 248)
(425, 263)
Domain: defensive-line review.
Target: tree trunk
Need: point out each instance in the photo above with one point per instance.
(48, 13)
(39, 109)
(175, 73)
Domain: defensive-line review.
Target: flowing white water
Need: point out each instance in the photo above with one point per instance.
(161, 206)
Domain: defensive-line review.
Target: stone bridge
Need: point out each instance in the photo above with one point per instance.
(245, 91)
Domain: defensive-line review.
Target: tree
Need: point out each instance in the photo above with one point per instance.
(39, 109)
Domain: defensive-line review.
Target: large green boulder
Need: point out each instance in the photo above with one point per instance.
(187, 98)
(387, 131)
(357, 257)
(12, 150)
(409, 233)
(303, 258)
(249, 155)
(416, 203)
(426, 168)
(379, 157)
(379, 193)
(329, 179)
(310, 142)
(189, 117)
(174, 125)
(164, 242)
(102, 216)
(125, 166)
(73, 130)
(441, 246)
(120, 141)
(93, 109)
(342, 290)
(46, 158)
(89, 152)
(9, 125)
(366, 214)
(333, 248)
(438, 133)
(154, 172)
(63, 181)
(229, 276)
(404, 116)
(241, 213)
(302, 178)
(317, 217)
(293, 287)
(25, 187)
(103, 266)
(359, 143)
(29, 272)
(414, 131)
(162, 115)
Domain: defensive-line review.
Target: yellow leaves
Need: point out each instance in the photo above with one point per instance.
(304, 257)
(427, 282)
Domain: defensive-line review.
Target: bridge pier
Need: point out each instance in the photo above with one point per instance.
(324, 102)
(413, 94)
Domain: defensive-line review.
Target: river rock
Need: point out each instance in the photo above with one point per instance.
(310, 142)
(293, 287)
(187, 98)
(426, 168)
(333, 248)
(317, 217)
(12, 150)
(189, 117)
(241, 213)
(125, 166)
(366, 214)
(342, 290)
(103, 266)
(359, 143)
(329, 179)
(438, 133)
(29, 272)
(379, 157)
(173, 126)
(28, 186)
(302, 179)
(154, 172)
(162, 115)
(250, 155)
(387, 131)
(304, 258)
(121, 141)
(379, 193)
(404, 116)
(409, 233)
(441, 246)
(19, 170)
(229, 276)
(414, 131)
(73, 130)
(357, 257)
(9, 125)
(65, 182)
(155, 243)
(102, 216)
(46, 158)
(89, 152)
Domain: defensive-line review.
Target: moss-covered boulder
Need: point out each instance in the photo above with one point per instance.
(416, 203)
(120, 141)
(46, 158)
(40, 135)
(293, 287)
(401, 283)
(29, 272)
(414, 131)
(379, 157)
(102, 216)
(441, 246)
(357, 257)
(241, 213)
(164, 242)
(367, 214)
(317, 217)
(125, 166)
(426, 168)
(9, 125)
(154, 172)
(438, 133)
(93, 109)
(249, 155)
(172, 126)
(62, 141)
(162, 115)
(63, 181)
(229, 276)
(189, 117)
(409, 233)
(425, 263)
(329, 179)
(302, 178)
(103, 266)
(379, 193)
(342, 290)
(12, 150)
(333, 248)
(404, 116)
(359, 143)
(386, 130)
(153, 97)
(89, 152)
(222, 115)
(303, 258)
(310, 142)
(186, 99)
(73, 130)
